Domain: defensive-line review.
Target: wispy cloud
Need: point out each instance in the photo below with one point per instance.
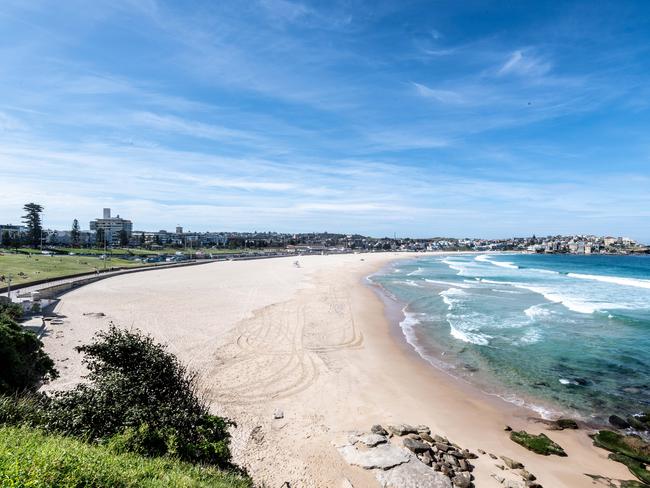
(443, 96)
(522, 63)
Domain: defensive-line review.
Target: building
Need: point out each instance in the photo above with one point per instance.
(112, 227)
(64, 238)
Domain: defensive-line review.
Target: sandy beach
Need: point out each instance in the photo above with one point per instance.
(315, 343)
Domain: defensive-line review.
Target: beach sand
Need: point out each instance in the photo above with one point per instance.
(314, 342)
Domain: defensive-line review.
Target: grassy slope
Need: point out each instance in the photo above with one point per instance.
(38, 267)
(30, 458)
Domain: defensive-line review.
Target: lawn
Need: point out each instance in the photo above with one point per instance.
(31, 458)
(25, 268)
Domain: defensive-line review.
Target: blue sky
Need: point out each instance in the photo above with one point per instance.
(417, 118)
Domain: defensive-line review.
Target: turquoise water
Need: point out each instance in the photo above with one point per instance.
(560, 333)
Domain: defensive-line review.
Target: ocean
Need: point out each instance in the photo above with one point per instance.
(561, 334)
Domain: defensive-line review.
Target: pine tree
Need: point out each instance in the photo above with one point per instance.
(75, 234)
(32, 219)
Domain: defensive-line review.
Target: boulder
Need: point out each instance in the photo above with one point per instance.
(378, 429)
(370, 440)
(426, 437)
(426, 458)
(415, 445)
(423, 429)
(450, 460)
(511, 463)
(462, 480)
(514, 484)
(402, 429)
(384, 456)
(526, 475)
(278, 414)
(443, 447)
(413, 474)
(618, 422)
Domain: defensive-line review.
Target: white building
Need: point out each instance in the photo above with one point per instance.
(113, 227)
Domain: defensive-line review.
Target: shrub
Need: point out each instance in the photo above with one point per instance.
(23, 363)
(11, 310)
(139, 398)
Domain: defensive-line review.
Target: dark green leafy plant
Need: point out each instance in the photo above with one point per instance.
(139, 398)
(23, 363)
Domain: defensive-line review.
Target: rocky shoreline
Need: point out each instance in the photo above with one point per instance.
(404, 456)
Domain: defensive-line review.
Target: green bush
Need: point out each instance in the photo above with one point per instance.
(23, 363)
(139, 398)
(11, 310)
(30, 458)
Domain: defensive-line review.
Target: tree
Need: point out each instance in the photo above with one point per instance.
(32, 219)
(100, 237)
(124, 238)
(6, 239)
(75, 234)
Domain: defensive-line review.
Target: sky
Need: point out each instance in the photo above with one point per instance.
(437, 118)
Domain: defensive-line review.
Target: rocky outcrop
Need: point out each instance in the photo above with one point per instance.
(384, 456)
(411, 458)
(630, 450)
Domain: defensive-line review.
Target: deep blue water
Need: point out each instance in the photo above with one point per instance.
(562, 333)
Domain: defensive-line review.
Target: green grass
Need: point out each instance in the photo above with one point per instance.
(29, 458)
(38, 267)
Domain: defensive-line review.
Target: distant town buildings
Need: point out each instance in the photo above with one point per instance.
(118, 232)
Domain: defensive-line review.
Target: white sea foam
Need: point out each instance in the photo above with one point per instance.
(450, 295)
(540, 270)
(485, 258)
(530, 337)
(455, 265)
(471, 337)
(416, 272)
(408, 325)
(617, 280)
(572, 303)
(511, 292)
(412, 283)
(537, 312)
(460, 327)
(564, 381)
(505, 264)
